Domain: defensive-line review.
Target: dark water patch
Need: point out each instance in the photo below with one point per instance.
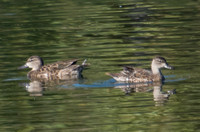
(110, 34)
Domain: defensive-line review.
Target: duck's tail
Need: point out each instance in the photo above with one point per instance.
(116, 76)
(84, 62)
(110, 74)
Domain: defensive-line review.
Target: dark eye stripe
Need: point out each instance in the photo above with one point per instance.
(161, 61)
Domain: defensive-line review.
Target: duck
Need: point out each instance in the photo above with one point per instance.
(139, 75)
(62, 70)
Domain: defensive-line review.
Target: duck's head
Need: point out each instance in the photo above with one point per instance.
(160, 62)
(33, 62)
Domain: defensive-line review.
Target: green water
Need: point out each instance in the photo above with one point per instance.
(109, 34)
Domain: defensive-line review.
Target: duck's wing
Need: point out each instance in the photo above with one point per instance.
(54, 68)
(136, 72)
(131, 74)
(59, 70)
(60, 64)
(71, 72)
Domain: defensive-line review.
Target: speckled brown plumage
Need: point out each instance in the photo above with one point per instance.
(132, 74)
(59, 70)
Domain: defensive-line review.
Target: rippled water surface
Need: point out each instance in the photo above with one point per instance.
(109, 34)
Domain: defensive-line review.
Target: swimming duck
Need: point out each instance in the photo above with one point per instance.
(136, 75)
(59, 70)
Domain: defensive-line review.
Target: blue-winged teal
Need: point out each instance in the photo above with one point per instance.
(59, 70)
(131, 74)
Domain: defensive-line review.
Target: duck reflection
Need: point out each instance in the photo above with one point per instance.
(36, 87)
(160, 97)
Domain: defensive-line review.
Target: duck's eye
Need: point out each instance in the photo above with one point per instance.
(160, 61)
(30, 60)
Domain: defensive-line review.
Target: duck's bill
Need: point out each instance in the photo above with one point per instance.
(22, 67)
(169, 67)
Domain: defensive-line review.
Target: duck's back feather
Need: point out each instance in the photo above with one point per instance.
(58, 70)
(61, 64)
(132, 74)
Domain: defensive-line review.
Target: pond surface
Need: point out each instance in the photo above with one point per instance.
(109, 34)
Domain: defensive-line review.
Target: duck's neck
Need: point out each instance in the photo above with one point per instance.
(155, 70)
(32, 74)
(35, 68)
